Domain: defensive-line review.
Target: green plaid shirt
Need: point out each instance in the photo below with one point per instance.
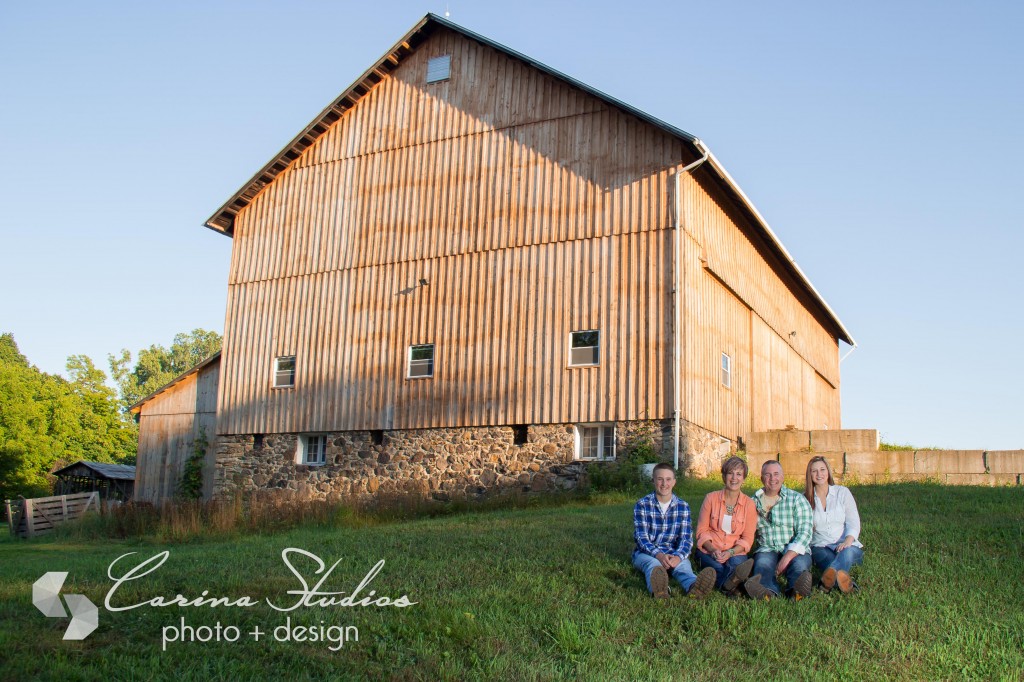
(787, 525)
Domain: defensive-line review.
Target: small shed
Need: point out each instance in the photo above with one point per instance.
(175, 422)
(111, 481)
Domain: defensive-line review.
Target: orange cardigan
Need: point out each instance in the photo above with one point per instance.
(709, 523)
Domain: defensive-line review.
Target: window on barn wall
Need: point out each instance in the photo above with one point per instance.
(595, 441)
(314, 450)
(439, 69)
(584, 348)
(421, 361)
(726, 370)
(284, 371)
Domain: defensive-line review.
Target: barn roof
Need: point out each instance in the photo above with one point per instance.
(137, 407)
(223, 219)
(122, 472)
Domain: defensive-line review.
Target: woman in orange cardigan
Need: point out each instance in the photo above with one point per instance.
(726, 528)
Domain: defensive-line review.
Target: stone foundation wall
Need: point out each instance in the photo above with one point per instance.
(702, 452)
(442, 463)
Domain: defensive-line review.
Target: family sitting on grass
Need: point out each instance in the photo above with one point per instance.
(791, 531)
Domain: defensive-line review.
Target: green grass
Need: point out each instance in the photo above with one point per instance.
(902, 447)
(545, 593)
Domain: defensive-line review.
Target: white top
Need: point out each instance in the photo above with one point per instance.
(664, 505)
(727, 524)
(837, 520)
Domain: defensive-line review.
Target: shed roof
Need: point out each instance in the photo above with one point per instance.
(124, 472)
(137, 407)
(223, 219)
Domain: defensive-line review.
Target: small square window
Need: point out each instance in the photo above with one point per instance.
(314, 450)
(421, 361)
(726, 370)
(439, 68)
(284, 372)
(595, 441)
(584, 347)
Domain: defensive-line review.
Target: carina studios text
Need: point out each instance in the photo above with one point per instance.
(307, 596)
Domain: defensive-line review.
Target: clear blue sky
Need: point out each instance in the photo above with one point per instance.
(882, 141)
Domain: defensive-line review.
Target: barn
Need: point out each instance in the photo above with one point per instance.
(471, 272)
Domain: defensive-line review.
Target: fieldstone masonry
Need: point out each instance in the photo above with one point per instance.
(701, 451)
(443, 463)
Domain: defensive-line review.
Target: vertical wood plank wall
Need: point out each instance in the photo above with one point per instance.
(738, 304)
(532, 210)
(168, 426)
(500, 321)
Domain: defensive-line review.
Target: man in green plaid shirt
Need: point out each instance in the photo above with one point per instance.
(784, 525)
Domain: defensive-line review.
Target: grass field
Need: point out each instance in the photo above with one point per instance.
(541, 593)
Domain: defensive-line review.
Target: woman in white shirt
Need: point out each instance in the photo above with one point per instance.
(834, 545)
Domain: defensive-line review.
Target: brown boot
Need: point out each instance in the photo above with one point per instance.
(704, 584)
(756, 590)
(659, 582)
(845, 584)
(738, 576)
(804, 585)
(828, 579)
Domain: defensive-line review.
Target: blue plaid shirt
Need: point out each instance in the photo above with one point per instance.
(657, 533)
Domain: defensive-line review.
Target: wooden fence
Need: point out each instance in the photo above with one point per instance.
(28, 518)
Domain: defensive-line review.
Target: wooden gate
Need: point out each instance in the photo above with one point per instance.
(39, 515)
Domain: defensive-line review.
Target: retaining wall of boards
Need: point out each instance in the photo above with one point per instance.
(853, 455)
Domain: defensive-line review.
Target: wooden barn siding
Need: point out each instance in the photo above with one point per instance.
(168, 426)
(205, 423)
(791, 380)
(399, 177)
(714, 321)
(732, 256)
(500, 322)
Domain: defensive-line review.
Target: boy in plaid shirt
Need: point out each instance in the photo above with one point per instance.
(664, 538)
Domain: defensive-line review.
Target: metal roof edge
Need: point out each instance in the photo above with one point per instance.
(318, 119)
(749, 205)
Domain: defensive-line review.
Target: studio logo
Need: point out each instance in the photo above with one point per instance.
(46, 596)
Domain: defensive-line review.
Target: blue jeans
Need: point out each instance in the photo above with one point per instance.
(683, 573)
(827, 557)
(722, 571)
(765, 563)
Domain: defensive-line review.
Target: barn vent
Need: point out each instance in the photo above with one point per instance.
(439, 69)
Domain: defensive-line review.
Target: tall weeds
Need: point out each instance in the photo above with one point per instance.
(182, 520)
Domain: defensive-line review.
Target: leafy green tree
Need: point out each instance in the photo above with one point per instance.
(46, 419)
(24, 442)
(157, 365)
(103, 428)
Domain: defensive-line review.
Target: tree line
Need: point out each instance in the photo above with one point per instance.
(48, 421)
